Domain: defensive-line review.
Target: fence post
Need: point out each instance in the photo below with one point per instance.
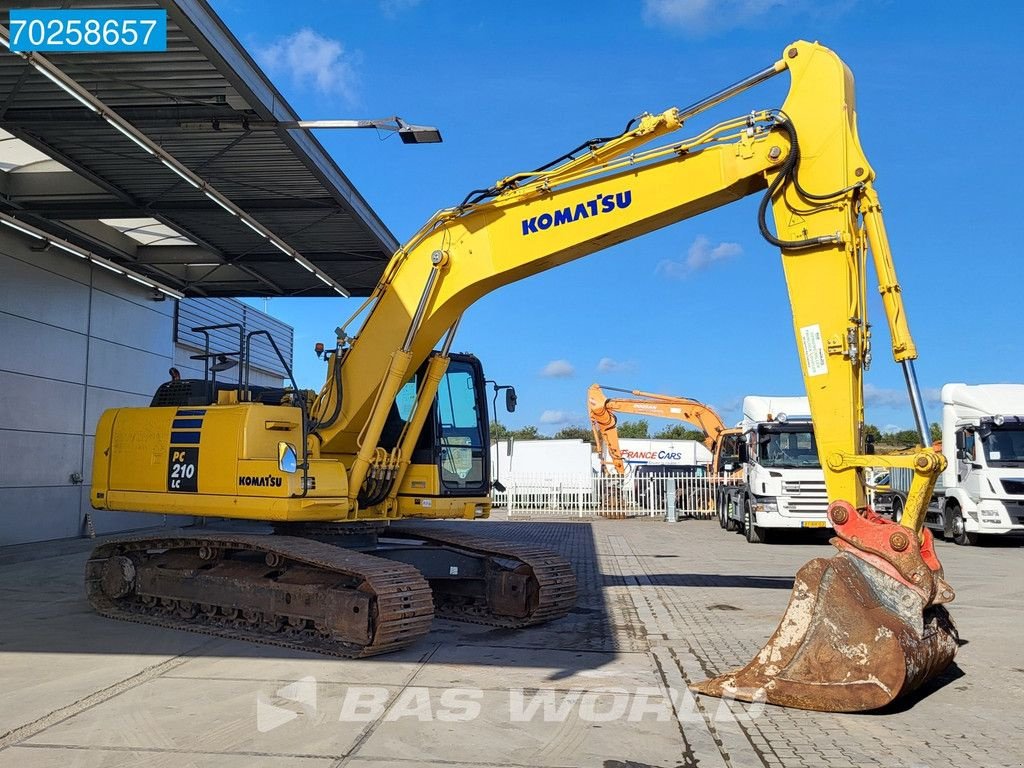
(670, 500)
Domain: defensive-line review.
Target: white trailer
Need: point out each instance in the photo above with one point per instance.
(781, 483)
(542, 469)
(637, 452)
(982, 489)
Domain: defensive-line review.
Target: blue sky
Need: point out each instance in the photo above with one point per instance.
(513, 85)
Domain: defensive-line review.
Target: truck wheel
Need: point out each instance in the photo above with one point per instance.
(961, 535)
(754, 533)
(897, 509)
(720, 505)
(730, 521)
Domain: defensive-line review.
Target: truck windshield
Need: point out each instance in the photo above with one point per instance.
(1004, 446)
(787, 449)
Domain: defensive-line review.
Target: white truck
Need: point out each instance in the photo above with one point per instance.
(551, 472)
(780, 483)
(982, 489)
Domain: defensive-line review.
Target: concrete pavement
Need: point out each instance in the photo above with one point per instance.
(661, 605)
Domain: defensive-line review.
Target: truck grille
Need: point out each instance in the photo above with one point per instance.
(1015, 509)
(806, 497)
(1013, 486)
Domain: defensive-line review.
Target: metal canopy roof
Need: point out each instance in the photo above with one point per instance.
(206, 103)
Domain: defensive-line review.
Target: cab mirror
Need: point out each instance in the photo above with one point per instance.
(741, 453)
(287, 459)
(511, 399)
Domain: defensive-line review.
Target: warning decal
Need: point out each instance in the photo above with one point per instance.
(814, 350)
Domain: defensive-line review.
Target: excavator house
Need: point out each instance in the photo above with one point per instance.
(399, 430)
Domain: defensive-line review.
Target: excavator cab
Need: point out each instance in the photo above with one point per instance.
(455, 437)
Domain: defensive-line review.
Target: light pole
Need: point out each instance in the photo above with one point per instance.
(408, 133)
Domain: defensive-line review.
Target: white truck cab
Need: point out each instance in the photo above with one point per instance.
(982, 489)
(782, 484)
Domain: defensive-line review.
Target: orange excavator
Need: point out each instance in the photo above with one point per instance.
(602, 410)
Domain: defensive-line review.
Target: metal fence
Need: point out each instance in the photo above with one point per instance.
(571, 495)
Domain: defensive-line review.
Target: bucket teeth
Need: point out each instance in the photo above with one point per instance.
(852, 639)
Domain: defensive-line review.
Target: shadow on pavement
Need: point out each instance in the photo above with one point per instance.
(910, 700)
(46, 612)
(703, 580)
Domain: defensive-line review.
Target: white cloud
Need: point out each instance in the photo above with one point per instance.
(392, 8)
(559, 417)
(312, 60)
(732, 404)
(700, 255)
(611, 365)
(558, 369)
(702, 17)
(885, 397)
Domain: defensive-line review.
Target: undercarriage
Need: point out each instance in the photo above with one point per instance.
(342, 589)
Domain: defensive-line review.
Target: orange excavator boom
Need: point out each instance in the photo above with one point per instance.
(602, 410)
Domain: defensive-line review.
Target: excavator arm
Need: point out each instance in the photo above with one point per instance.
(602, 410)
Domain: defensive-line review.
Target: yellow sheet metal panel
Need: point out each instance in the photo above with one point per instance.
(421, 480)
(424, 506)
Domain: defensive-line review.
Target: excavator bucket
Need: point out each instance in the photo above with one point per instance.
(853, 638)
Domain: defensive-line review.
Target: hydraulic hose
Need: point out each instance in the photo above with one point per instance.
(789, 172)
(337, 397)
(479, 195)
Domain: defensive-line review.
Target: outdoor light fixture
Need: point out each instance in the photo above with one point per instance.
(410, 134)
(417, 134)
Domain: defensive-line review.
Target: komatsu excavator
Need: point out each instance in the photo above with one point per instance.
(602, 410)
(400, 429)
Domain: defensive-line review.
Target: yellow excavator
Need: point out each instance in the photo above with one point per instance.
(400, 428)
(602, 409)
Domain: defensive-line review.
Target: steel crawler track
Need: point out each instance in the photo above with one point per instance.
(554, 575)
(399, 599)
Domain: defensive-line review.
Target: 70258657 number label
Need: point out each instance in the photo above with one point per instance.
(88, 31)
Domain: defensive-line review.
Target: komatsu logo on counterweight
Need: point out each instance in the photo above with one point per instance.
(267, 481)
(584, 210)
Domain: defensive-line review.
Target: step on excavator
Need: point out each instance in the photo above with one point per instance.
(399, 430)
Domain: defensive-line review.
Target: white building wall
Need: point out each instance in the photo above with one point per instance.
(74, 341)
